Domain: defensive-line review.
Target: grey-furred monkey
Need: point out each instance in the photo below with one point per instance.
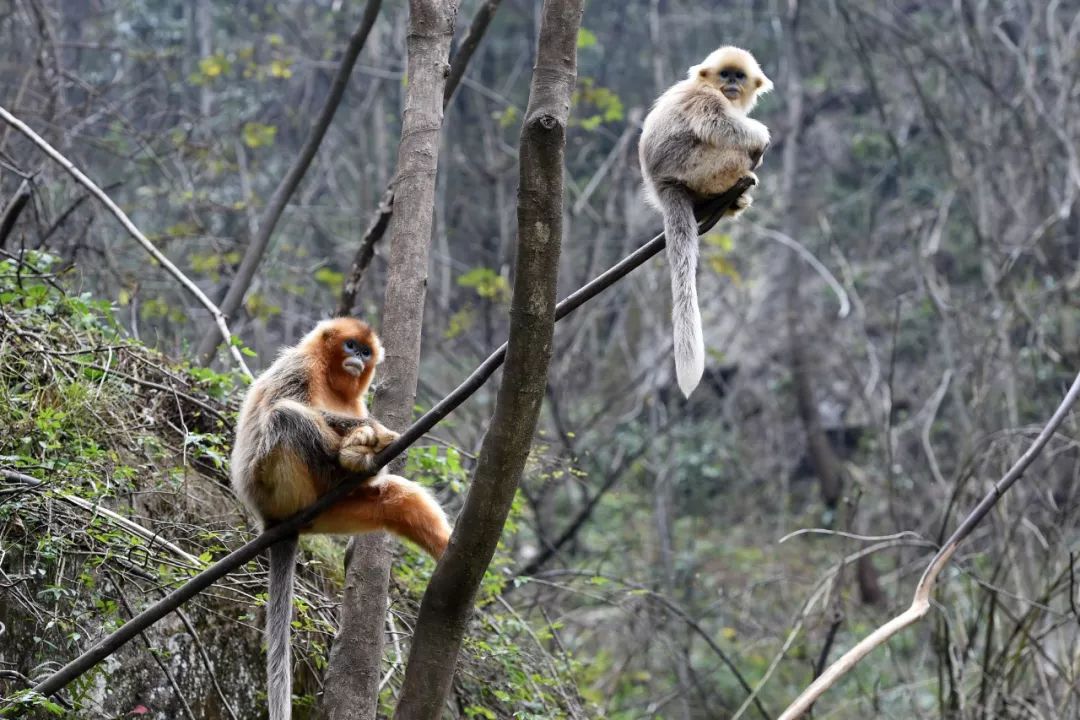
(697, 142)
(303, 425)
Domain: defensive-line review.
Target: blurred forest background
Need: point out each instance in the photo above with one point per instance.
(887, 329)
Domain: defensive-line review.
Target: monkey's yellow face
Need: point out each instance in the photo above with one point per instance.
(736, 74)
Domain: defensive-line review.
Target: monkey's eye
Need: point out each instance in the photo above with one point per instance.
(355, 347)
(724, 74)
(740, 75)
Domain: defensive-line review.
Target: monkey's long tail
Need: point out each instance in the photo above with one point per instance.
(278, 627)
(680, 227)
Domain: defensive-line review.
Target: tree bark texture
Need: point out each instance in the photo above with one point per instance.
(352, 678)
(447, 604)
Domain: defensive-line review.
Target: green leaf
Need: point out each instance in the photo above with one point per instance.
(213, 66)
(281, 68)
(257, 135)
(330, 278)
(585, 38)
(487, 283)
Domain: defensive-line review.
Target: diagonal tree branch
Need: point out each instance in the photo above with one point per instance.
(448, 601)
(191, 287)
(377, 226)
(256, 249)
(468, 46)
(709, 214)
(920, 604)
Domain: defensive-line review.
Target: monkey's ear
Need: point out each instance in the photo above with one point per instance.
(764, 84)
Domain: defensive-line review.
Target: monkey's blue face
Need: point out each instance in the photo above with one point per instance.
(357, 355)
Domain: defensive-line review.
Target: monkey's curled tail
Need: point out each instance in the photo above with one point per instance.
(680, 227)
(278, 627)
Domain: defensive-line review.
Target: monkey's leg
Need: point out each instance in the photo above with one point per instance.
(730, 166)
(298, 450)
(389, 503)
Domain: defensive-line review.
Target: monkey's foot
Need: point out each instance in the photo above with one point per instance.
(741, 203)
(373, 434)
(363, 435)
(357, 450)
(357, 458)
(383, 436)
(359, 447)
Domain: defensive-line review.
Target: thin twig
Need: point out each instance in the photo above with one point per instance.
(219, 317)
(201, 649)
(157, 660)
(709, 214)
(818, 266)
(13, 210)
(678, 611)
(468, 46)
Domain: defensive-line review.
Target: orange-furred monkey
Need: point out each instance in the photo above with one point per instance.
(303, 424)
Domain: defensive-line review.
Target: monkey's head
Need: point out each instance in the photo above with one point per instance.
(348, 350)
(736, 74)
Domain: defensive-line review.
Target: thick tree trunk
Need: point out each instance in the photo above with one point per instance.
(352, 678)
(448, 601)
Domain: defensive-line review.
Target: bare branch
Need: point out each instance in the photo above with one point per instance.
(151, 537)
(377, 226)
(468, 46)
(13, 210)
(191, 287)
(180, 697)
(353, 676)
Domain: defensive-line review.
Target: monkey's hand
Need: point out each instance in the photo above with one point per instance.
(756, 134)
(358, 448)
